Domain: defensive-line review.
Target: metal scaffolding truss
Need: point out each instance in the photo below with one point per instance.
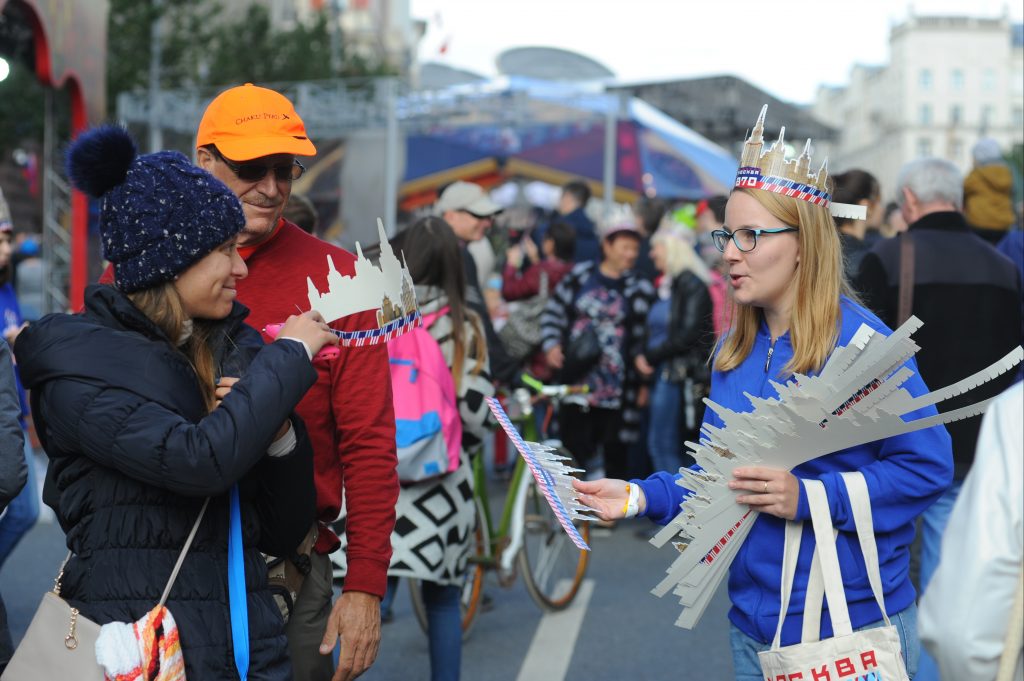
(333, 109)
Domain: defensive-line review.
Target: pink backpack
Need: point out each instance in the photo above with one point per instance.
(428, 429)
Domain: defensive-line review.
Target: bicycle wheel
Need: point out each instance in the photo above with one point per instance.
(552, 566)
(473, 580)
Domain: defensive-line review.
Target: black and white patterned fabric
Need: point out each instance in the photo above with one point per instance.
(435, 518)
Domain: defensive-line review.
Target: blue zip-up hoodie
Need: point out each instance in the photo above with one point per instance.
(905, 474)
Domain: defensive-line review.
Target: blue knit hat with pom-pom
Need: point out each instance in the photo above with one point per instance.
(160, 213)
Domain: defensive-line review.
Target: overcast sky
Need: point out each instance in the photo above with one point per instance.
(786, 47)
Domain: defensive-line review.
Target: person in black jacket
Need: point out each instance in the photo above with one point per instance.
(158, 396)
(968, 296)
(13, 467)
(680, 335)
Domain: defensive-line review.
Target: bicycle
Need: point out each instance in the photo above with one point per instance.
(528, 535)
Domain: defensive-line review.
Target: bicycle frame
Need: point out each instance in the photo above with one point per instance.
(507, 537)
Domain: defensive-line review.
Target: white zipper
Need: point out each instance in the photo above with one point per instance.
(771, 349)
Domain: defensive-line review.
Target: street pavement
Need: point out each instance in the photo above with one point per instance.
(616, 630)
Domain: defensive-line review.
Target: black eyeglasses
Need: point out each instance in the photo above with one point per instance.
(744, 238)
(254, 172)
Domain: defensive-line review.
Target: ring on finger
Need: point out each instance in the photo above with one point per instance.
(765, 487)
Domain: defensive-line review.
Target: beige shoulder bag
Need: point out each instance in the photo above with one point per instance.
(60, 643)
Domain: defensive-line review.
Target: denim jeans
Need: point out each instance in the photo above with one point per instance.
(933, 525)
(746, 666)
(444, 618)
(6, 646)
(22, 512)
(663, 436)
(444, 623)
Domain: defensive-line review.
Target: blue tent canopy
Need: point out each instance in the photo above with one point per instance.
(559, 135)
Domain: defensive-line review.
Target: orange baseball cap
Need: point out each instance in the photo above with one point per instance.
(248, 122)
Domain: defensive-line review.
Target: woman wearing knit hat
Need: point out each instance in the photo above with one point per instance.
(142, 415)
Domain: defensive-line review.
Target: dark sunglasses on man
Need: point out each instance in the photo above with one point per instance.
(251, 171)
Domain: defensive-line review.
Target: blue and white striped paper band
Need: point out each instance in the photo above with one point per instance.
(392, 329)
(752, 179)
(545, 482)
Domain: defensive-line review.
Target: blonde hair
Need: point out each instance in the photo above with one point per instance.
(680, 254)
(163, 306)
(819, 281)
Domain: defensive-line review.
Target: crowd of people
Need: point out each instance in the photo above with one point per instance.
(259, 449)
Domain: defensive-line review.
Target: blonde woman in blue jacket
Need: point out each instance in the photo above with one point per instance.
(792, 308)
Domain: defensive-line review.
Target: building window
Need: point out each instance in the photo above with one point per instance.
(956, 114)
(988, 80)
(987, 115)
(925, 79)
(925, 114)
(924, 147)
(956, 150)
(957, 80)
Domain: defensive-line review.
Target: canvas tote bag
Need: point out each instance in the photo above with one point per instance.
(873, 654)
(60, 643)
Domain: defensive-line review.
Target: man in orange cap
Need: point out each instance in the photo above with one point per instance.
(249, 138)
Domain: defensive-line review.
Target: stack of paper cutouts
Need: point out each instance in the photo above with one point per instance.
(857, 398)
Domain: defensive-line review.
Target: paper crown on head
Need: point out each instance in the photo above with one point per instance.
(620, 218)
(770, 171)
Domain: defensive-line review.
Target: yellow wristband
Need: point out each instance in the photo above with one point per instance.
(625, 507)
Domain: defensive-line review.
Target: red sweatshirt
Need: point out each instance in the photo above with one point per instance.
(348, 411)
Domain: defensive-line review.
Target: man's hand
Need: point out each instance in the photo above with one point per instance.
(355, 619)
(554, 357)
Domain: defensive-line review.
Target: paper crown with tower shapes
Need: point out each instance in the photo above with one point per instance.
(768, 170)
(386, 290)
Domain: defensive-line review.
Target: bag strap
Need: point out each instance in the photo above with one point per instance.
(821, 518)
(1011, 657)
(860, 500)
(905, 299)
(813, 600)
(429, 319)
(174, 572)
(184, 552)
(790, 554)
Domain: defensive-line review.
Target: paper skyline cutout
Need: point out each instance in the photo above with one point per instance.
(857, 398)
(387, 290)
(553, 477)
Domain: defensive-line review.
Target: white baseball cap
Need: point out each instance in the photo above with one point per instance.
(466, 196)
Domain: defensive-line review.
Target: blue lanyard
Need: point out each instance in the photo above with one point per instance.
(236, 588)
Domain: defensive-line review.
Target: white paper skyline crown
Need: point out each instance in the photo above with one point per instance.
(386, 290)
(769, 170)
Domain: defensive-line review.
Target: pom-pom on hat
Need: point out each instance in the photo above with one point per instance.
(160, 213)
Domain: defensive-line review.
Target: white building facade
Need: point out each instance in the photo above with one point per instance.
(950, 81)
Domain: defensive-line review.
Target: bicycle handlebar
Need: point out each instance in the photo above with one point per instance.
(553, 390)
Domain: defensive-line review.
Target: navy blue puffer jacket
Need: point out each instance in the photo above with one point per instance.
(133, 453)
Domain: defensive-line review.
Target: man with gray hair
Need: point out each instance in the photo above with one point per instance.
(968, 296)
